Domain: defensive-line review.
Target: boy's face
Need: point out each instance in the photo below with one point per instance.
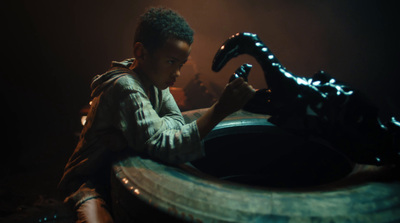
(163, 66)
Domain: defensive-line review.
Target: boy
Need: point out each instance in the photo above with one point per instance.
(132, 109)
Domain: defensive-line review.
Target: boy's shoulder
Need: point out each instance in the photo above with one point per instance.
(128, 81)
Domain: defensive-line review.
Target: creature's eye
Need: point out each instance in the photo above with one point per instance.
(171, 61)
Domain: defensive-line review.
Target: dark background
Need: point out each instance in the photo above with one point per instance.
(52, 49)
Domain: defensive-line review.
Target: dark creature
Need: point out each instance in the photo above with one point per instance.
(320, 107)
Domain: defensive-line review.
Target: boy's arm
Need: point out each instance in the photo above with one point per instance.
(234, 97)
(147, 132)
(170, 111)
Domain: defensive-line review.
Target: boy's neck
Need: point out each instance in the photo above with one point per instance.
(146, 82)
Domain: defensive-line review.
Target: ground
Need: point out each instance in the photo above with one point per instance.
(28, 188)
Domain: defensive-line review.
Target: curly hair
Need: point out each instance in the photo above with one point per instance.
(157, 25)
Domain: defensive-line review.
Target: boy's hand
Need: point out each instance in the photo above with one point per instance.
(235, 95)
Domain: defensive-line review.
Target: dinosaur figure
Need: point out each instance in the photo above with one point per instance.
(320, 107)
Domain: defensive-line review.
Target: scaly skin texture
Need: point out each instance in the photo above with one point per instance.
(320, 107)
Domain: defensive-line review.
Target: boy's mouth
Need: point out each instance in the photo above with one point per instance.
(170, 83)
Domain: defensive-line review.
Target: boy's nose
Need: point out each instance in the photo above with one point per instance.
(177, 73)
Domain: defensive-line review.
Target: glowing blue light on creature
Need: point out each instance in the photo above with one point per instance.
(315, 83)
(394, 121)
(348, 93)
(287, 74)
(339, 90)
(301, 81)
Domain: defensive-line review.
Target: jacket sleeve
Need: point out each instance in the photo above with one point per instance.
(164, 137)
(170, 111)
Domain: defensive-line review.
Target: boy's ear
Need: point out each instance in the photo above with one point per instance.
(139, 51)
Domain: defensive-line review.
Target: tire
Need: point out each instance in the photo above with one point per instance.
(286, 179)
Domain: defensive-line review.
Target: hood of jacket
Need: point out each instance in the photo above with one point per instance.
(102, 81)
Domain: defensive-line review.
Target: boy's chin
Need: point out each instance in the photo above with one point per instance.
(162, 87)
